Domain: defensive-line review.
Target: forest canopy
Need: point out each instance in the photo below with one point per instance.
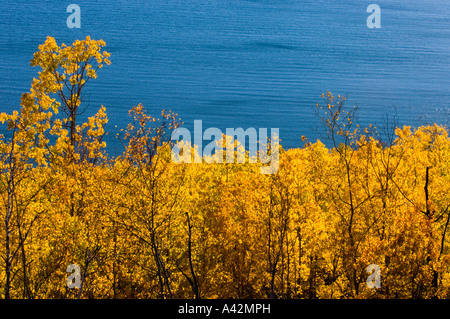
(141, 226)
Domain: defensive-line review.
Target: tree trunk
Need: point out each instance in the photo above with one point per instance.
(9, 210)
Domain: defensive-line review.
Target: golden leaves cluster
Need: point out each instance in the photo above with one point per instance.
(308, 231)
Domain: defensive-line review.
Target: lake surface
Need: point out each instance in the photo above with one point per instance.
(237, 63)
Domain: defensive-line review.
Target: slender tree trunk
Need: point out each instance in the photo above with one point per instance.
(115, 262)
(162, 273)
(90, 255)
(26, 287)
(9, 210)
(427, 212)
(158, 266)
(191, 266)
(354, 281)
(8, 260)
(83, 278)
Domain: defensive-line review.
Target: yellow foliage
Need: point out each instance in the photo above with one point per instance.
(142, 226)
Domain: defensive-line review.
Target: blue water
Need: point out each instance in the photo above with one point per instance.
(237, 63)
